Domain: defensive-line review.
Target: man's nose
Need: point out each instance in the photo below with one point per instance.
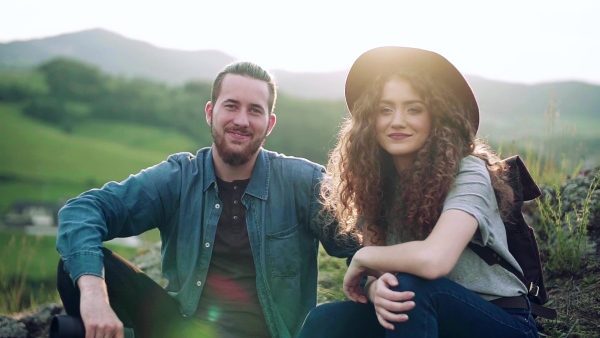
(241, 119)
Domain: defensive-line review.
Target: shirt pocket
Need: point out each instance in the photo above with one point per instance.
(283, 250)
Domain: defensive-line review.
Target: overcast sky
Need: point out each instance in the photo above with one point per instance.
(525, 41)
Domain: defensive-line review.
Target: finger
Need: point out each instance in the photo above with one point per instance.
(355, 295)
(396, 307)
(389, 279)
(386, 325)
(391, 317)
(120, 333)
(398, 296)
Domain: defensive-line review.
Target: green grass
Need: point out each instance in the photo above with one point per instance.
(35, 255)
(136, 136)
(38, 152)
(40, 162)
(28, 269)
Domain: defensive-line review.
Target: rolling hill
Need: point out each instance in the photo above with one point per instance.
(120, 55)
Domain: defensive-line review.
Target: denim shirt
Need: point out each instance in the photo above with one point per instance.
(179, 197)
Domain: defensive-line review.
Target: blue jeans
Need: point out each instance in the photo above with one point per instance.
(443, 309)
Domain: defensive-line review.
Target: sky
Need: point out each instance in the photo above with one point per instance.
(521, 41)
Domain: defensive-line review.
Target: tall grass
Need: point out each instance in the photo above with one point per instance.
(28, 270)
(565, 233)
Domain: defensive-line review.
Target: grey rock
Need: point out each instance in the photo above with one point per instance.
(12, 328)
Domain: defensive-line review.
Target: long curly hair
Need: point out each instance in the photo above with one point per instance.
(360, 189)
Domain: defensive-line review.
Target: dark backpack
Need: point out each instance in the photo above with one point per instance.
(521, 240)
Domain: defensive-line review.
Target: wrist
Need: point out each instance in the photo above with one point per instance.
(368, 285)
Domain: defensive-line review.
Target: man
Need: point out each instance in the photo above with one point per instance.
(240, 229)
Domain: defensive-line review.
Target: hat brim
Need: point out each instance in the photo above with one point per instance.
(384, 60)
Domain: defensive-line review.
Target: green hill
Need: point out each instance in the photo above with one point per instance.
(41, 162)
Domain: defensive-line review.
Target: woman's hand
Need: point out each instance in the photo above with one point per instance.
(390, 306)
(354, 275)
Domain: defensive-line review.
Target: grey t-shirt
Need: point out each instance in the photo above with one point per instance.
(473, 193)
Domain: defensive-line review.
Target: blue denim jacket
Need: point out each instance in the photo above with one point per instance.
(179, 197)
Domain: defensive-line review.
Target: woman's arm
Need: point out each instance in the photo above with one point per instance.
(431, 258)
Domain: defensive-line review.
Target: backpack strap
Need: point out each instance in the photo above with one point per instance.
(521, 181)
(521, 236)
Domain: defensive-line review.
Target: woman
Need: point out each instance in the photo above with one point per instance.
(410, 180)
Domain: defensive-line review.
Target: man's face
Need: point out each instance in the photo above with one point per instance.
(240, 119)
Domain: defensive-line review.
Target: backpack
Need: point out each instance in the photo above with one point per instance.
(521, 240)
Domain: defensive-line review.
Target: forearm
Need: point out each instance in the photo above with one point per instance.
(92, 287)
(411, 257)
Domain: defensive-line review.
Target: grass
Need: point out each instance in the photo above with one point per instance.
(65, 157)
(28, 269)
(43, 163)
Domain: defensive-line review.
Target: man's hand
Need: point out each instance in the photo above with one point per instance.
(389, 305)
(98, 317)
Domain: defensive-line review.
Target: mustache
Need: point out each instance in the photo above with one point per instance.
(243, 131)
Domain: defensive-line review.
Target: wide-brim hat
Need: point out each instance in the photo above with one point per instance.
(384, 60)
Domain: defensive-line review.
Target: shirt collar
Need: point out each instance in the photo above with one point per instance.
(259, 181)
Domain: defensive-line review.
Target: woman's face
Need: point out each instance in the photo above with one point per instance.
(402, 122)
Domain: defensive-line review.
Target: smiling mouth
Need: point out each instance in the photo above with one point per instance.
(237, 134)
(399, 136)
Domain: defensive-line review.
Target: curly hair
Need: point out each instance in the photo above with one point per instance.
(362, 178)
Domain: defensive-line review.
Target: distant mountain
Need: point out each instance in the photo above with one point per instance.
(500, 102)
(116, 54)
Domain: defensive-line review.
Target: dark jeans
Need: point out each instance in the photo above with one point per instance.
(139, 302)
(443, 309)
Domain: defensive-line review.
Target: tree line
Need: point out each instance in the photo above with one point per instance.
(64, 92)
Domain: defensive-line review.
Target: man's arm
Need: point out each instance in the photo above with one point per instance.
(324, 225)
(98, 317)
(141, 202)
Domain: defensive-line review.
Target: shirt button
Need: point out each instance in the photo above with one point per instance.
(185, 316)
(235, 218)
(217, 206)
(235, 187)
(199, 283)
(235, 202)
(207, 244)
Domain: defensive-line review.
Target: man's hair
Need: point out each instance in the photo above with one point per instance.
(248, 69)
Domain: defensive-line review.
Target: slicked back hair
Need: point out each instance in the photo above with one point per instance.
(248, 69)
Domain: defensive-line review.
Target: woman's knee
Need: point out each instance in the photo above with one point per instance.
(409, 282)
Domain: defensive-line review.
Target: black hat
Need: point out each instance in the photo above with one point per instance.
(383, 60)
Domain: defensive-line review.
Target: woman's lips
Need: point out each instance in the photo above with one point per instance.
(398, 136)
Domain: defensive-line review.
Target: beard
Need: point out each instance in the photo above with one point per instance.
(233, 157)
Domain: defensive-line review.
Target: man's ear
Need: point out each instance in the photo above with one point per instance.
(208, 109)
(272, 121)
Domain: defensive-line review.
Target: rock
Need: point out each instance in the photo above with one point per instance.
(31, 324)
(12, 328)
(150, 263)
